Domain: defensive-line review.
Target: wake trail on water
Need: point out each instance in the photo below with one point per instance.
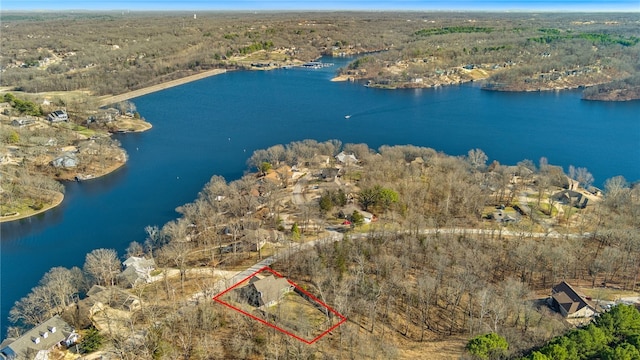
(394, 109)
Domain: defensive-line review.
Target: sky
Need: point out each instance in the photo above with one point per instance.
(258, 5)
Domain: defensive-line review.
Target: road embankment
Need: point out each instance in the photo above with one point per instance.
(151, 89)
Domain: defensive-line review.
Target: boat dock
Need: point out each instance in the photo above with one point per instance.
(316, 65)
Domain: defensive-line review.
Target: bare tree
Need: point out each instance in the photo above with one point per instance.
(33, 308)
(477, 158)
(135, 249)
(103, 265)
(176, 253)
(62, 283)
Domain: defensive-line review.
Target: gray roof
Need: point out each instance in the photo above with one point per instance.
(138, 270)
(139, 263)
(265, 291)
(42, 337)
(112, 296)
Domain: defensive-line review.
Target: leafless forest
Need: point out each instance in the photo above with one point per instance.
(433, 270)
(111, 53)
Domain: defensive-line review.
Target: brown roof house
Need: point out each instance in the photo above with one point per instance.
(569, 303)
(39, 341)
(264, 292)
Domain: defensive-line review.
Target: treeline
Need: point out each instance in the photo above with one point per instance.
(60, 287)
(454, 30)
(614, 335)
(22, 106)
(113, 53)
(605, 39)
(628, 88)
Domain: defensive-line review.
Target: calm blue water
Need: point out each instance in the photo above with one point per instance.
(210, 127)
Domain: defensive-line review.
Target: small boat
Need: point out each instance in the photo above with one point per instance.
(347, 116)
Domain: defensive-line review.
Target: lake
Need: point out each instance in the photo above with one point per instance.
(211, 126)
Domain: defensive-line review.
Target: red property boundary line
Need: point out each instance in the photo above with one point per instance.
(266, 268)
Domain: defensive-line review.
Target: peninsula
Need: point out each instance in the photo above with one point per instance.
(425, 255)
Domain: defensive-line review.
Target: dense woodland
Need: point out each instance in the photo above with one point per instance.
(403, 282)
(113, 52)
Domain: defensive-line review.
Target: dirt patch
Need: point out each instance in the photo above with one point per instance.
(129, 124)
(449, 349)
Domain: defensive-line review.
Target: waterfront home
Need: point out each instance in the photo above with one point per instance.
(39, 341)
(137, 271)
(572, 198)
(58, 116)
(66, 160)
(344, 158)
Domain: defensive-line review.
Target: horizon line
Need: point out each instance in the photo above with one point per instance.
(138, 10)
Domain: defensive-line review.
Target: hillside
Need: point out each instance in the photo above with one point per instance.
(420, 251)
(113, 53)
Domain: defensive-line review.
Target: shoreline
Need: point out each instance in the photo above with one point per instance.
(57, 201)
(162, 86)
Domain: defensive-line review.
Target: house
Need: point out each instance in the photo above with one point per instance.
(100, 297)
(107, 115)
(570, 197)
(329, 174)
(594, 191)
(501, 216)
(264, 292)
(58, 116)
(569, 303)
(280, 176)
(343, 158)
(137, 271)
(22, 122)
(320, 160)
(66, 160)
(39, 341)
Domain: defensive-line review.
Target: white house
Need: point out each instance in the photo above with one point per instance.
(58, 116)
(137, 270)
(346, 158)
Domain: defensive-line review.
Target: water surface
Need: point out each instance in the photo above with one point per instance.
(211, 126)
